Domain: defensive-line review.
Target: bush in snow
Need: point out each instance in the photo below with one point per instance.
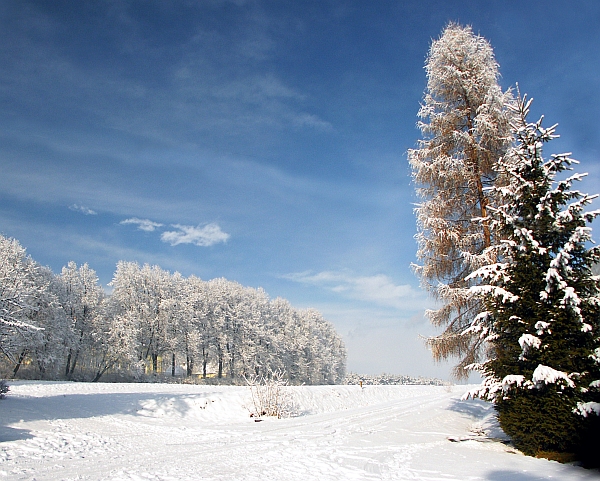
(543, 303)
(4, 388)
(271, 396)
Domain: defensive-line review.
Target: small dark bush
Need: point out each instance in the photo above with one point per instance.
(4, 388)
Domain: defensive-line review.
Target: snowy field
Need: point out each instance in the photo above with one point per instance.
(75, 431)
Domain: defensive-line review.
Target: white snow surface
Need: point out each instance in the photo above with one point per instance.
(77, 431)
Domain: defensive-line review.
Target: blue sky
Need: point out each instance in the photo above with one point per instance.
(261, 141)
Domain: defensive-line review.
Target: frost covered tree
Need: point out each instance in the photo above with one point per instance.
(18, 290)
(114, 340)
(154, 321)
(465, 127)
(45, 346)
(142, 293)
(198, 343)
(80, 295)
(542, 312)
(325, 354)
(32, 323)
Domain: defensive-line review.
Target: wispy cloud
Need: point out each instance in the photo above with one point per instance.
(379, 289)
(256, 89)
(142, 224)
(207, 235)
(82, 209)
(310, 120)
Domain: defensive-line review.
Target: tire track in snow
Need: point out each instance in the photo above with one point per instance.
(307, 447)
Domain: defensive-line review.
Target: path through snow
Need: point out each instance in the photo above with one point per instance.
(74, 431)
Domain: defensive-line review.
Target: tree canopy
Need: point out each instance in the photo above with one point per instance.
(154, 323)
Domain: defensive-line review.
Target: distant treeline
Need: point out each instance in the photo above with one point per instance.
(64, 326)
(390, 379)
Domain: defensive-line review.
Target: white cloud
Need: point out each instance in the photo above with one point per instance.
(143, 224)
(208, 235)
(310, 120)
(379, 289)
(82, 209)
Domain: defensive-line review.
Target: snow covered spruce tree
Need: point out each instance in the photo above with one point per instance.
(543, 303)
(465, 127)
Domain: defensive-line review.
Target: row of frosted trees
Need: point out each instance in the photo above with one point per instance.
(66, 327)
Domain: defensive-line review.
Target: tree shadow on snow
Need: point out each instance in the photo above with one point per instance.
(13, 434)
(505, 475)
(484, 416)
(475, 408)
(73, 406)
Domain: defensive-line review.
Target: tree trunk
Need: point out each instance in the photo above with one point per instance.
(231, 361)
(476, 165)
(19, 362)
(41, 367)
(189, 366)
(173, 366)
(487, 237)
(68, 367)
(220, 363)
(99, 374)
(73, 364)
(204, 361)
(102, 370)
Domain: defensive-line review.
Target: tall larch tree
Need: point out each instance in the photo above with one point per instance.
(465, 127)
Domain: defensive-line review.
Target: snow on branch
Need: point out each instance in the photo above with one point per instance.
(527, 341)
(588, 408)
(546, 375)
(493, 291)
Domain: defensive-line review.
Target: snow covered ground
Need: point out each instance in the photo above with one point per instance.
(76, 431)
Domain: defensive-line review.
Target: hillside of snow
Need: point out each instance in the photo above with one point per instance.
(76, 431)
